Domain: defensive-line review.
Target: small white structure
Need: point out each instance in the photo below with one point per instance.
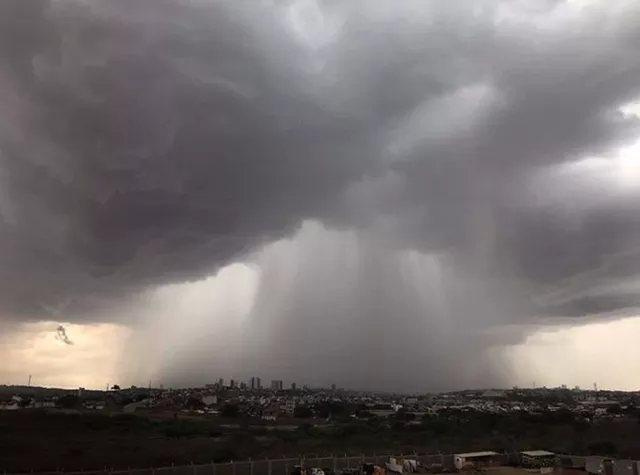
(289, 406)
(132, 407)
(210, 400)
(410, 465)
(625, 467)
(594, 465)
(474, 459)
(393, 466)
(44, 404)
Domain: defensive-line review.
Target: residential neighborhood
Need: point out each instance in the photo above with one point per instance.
(273, 403)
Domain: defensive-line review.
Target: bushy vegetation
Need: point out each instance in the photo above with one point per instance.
(41, 441)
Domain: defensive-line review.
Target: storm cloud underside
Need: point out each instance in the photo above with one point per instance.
(403, 181)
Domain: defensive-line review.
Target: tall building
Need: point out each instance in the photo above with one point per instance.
(277, 385)
(333, 387)
(221, 382)
(232, 384)
(255, 383)
(293, 386)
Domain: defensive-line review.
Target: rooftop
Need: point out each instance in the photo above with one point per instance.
(468, 455)
(537, 453)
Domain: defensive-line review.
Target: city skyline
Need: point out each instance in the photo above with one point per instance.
(254, 384)
(244, 386)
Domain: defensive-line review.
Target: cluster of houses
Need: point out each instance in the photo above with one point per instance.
(15, 403)
(271, 404)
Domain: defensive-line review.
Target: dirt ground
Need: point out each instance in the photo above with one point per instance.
(524, 471)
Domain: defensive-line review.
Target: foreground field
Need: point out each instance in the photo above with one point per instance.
(41, 441)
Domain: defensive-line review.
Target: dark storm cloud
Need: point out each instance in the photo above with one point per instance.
(150, 146)
(148, 143)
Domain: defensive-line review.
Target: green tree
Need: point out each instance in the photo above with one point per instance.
(24, 402)
(194, 404)
(605, 447)
(614, 409)
(230, 410)
(69, 401)
(302, 412)
(404, 415)
(326, 409)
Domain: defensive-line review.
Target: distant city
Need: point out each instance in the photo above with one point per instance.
(276, 400)
(255, 383)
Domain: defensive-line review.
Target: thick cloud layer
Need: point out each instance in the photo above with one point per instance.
(152, 143)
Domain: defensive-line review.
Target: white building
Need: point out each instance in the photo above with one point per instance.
(289, 406)
(474, 459)
(210, 400)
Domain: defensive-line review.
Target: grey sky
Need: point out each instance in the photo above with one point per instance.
(154, 143)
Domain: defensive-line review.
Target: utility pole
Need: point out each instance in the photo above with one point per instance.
(29, 381)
